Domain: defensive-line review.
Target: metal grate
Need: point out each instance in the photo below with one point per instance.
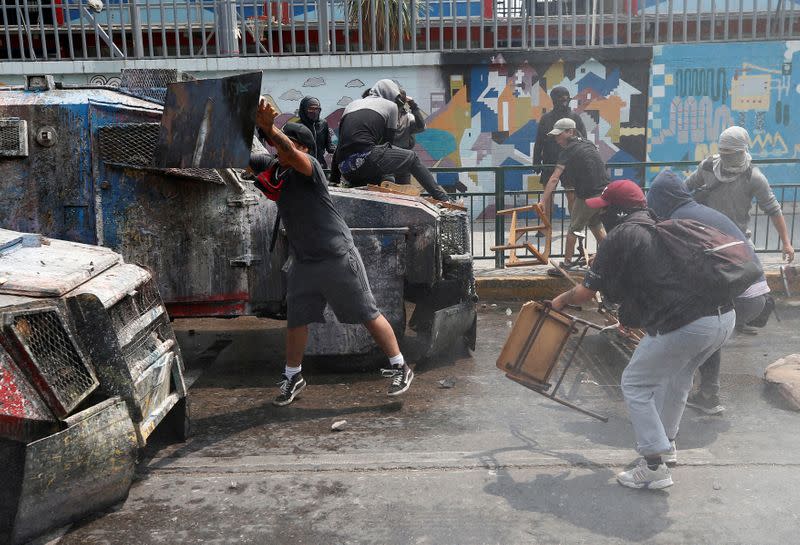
(455, 234)
(130, 308)
(134, 305)
(134, 144)
(55, 356)
(13, 137)
(151, 83)
(129, 143)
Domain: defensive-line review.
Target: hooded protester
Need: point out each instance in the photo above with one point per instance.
(409, 123)
(669, 199)
(545, 148)
(684, 327)
(309, 113)
(365, 154)
(728, 182)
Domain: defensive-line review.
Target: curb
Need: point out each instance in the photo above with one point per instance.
(541, 286)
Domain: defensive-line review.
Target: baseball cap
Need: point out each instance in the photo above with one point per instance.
(563, 124)
(623, 193)
(299, 133)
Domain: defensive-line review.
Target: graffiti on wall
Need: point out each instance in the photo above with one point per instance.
(698, 91)
(488, 112)
(483, 111)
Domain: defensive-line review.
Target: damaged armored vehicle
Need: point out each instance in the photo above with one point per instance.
(89, 367)
(79, 163)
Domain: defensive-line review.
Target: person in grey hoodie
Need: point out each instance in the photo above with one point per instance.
(409, 123)
(728, 182)
(669, 199)
(365, 154)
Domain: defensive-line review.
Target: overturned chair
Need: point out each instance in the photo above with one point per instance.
(536, 256)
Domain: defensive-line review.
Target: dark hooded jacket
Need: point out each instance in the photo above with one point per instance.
(545, 148)
(323, 135)
(669, 198)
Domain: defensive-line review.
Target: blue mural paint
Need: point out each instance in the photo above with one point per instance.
(698, 90)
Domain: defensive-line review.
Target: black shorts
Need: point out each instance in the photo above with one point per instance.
(341, 282)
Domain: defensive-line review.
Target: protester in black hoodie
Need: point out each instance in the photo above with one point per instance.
(309, 113)
(545, 149)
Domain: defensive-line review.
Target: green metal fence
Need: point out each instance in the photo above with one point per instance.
(490, 229)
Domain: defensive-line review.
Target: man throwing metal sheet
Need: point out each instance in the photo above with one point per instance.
(324, 265)
(634, 269)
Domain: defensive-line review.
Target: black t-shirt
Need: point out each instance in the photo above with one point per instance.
(634, 270)
(546, 149)
(584, 167)
(315, 229)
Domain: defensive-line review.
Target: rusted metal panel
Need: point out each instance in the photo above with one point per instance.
(209, 123)
(114, 284)
(24, 416)
(362, 209)
(68, 475)
(382, 251)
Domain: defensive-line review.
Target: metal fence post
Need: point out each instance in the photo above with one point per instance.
(499, 219)
(136, 30)
(323, 33)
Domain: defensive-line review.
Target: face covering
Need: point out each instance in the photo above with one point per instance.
(734, 157)
(305, 114)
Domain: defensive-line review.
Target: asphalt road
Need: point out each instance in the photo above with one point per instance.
(485, 461)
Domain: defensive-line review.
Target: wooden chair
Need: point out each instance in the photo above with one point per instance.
(514, 234)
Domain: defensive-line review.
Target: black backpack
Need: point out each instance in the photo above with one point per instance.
(717, 266)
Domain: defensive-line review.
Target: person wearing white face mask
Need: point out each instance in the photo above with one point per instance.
(728, 182)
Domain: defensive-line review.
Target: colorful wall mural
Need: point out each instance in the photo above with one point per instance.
(696, 91)
(484, 111)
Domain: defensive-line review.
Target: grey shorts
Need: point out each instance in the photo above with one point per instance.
(583, 216)
(341, 282)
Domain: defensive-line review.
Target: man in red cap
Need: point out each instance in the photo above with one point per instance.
(633, 269)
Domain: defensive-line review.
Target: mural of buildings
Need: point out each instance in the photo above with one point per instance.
(696, 91)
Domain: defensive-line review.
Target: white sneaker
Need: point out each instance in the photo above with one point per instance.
(643, 477)
(671, 456)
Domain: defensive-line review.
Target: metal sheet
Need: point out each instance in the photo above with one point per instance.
(209, 123)
(451, 325)
(83, 469)
(39, 267)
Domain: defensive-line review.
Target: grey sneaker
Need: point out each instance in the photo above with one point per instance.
(289, 389)
(401, 379)
(643, 477)
(671, 456)
(708, 405)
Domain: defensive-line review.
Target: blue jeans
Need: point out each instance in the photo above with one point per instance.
(658, 378)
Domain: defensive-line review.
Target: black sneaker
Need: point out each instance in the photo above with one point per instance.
(401, 379)
(289, 389)
(707, 405)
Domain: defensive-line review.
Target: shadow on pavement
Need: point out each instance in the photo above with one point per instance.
(592, 501)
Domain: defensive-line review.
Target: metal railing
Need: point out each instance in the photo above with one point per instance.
(489, 229)
(140, 29)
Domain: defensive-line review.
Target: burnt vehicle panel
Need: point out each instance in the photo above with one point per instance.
(206, 233)
(89, 367)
